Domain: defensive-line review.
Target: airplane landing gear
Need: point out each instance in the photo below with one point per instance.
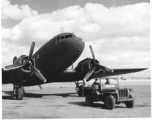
(19, 91)
(79, 89)
(14, 89)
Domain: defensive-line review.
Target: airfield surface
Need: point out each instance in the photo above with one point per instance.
(59, 100)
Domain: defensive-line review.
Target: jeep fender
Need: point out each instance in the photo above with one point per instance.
(114, 94)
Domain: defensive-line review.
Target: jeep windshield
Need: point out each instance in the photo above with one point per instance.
(111, 81)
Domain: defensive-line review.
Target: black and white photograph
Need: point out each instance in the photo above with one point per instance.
(75, 59)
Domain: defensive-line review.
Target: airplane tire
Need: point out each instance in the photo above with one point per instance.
(130, 104)
(110, 102)
(89, 100)
(19, 93)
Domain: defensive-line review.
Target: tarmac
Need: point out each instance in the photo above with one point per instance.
(60, 100)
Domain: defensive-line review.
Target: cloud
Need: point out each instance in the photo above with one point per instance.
(114, 55)
(90, 28)
(125, 21)
(117, 34)
(16, 12)
(69, 13)
(9, 51)
(101, 22)
(130, 44)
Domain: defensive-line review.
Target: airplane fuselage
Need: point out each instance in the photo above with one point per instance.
(55, 56)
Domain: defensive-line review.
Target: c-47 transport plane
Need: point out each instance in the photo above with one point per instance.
(50, 63)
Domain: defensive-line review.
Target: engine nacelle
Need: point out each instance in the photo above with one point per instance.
(85, 66)
(24, 72)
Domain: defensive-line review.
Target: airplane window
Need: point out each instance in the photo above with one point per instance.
(62, 37)
(68, 36)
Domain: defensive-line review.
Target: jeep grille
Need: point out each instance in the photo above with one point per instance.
(123, 93)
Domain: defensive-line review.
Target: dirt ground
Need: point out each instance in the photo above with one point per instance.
(59, 100)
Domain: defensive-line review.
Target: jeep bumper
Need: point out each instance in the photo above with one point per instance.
(124, 99)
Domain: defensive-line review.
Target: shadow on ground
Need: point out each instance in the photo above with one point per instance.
(35, 95)
(10, 97)
(95, 105)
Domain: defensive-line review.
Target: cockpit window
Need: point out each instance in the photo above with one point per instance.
(68, 36)
(62, 37)
(58, 38)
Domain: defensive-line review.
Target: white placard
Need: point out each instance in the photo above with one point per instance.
(109, 86)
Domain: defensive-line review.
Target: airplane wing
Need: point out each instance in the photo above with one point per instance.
(6, 77)
(117, 72)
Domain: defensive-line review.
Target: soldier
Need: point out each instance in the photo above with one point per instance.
(96, 86)
(107, 81)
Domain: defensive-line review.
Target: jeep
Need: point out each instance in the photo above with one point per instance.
(110, 94)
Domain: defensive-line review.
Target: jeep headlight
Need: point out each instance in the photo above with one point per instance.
(131, 90)
(116, 91)
(128, 90)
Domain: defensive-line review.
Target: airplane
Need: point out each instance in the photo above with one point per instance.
(50, 62)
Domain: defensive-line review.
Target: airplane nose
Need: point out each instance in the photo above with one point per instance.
(70, 50)
(80, 44)
(72, 43)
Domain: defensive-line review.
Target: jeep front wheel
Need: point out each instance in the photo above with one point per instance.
(110, 102)
(88, 100)
(130, 104)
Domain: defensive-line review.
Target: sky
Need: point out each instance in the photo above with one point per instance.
(118, 30)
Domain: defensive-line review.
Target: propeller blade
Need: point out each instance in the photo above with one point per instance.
(72, 64)
(92, 52)
(11, 67)
(40, 87)
(88, 75)
(37, 73)
(31, 50)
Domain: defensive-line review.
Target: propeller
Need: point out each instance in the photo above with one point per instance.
(18, 64)
(94, 60)
(105, 69)
(92, 52)
(31, 51)
(37, 73)
(87, 76)
(95, 64)
(14, 66)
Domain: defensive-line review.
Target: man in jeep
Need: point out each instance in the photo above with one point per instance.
(96, 87)
(107, 81)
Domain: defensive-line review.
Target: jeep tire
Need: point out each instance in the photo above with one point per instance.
(130, 104)
(89, 100)
(110, 102)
